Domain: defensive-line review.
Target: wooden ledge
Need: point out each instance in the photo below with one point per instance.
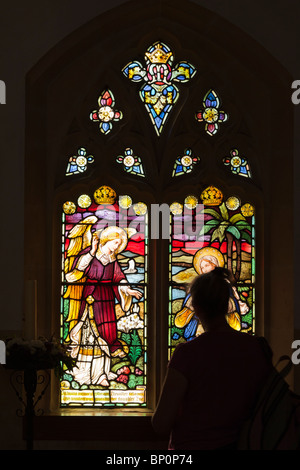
(90, 425)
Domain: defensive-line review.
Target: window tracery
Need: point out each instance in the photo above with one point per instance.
(104, 308)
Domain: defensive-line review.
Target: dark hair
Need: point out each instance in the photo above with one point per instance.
(211, 292)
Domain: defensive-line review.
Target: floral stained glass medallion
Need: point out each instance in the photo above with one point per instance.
(226, 237)
(185, 163)
(131, 163)
(79, 163)
(237, 164)
(106, 113)
(211, 114)
(159, 93)
(103, 300)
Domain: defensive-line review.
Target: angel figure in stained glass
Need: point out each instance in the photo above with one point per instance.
(96, 281)
(205, 260)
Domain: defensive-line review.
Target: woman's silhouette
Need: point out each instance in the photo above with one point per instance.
(213, 380)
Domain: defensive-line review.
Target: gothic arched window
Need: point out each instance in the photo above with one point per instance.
(162, 130)
(105, 238)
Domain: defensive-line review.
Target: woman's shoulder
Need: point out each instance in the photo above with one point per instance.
(223, 339)
(230, 339)
(250, 344)
(182, 350)
(189, 347)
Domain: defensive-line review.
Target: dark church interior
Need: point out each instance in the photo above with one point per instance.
(62, 61)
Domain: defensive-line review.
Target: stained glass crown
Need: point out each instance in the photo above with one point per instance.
(212, 196)
(105, 195)
(158, 53)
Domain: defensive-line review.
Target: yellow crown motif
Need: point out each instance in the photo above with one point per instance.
(211, 196)
(158, 55)
(105, 195)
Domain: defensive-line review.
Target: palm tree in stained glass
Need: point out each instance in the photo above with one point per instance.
(233, 228)
(159, 94)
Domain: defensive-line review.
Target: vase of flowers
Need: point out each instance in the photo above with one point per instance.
(37, 354)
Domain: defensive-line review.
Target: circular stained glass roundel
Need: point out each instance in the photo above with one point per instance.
(128, 161)
(210, 115)
(81, 161)
(232, 203)
(247, 210)
(236, 162)
(190, 202)
(176, 208)
(69, 208)
(140, 208)
(84, 201)
(125, 201)
(105, 114)
(186, 160)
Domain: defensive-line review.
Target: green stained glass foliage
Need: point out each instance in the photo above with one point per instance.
(103, 300)
(225, 237)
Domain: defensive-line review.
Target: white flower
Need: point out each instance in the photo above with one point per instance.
(130, 322)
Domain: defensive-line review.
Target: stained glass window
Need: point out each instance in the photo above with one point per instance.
(225, 236)
(237, 164)
(103, 300)
(211, 114)
(159, 94)
(185, 163)
(78, 163)
(106, 113)
(104, 278)
(131, 163)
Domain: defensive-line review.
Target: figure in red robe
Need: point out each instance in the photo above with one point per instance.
(93, 333)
